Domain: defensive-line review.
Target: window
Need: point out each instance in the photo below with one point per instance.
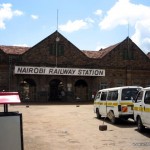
(128, 54)
(129, 93)
(52, 49)
(112, 95)
(139, 97)
(60, 49)
(103, 96)
(147, 97)
(103, 85)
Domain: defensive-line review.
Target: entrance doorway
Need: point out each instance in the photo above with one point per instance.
(28, 90)
(55, 91)
(81, 90)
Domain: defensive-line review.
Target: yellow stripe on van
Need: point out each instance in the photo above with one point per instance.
(126, 103)
(147, 109)
(104, 103)
(109, 104)
(138, 108)
(142, 109)
(135, 108)
(113, 103)
(96, 103)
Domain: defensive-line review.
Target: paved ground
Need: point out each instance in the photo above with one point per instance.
(74, 127)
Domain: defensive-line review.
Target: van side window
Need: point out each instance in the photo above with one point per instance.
(147, 97)
(103, 96)
(139, 97)
(112, 95)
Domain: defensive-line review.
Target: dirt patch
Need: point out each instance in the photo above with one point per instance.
(75, 127)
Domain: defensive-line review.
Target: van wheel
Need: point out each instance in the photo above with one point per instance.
(140, 125)
(98, 114)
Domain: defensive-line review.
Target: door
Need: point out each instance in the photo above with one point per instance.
(54, 93)
(97, 102)
(138, 105)
(81, 90)
(146, 109)
(103, 109)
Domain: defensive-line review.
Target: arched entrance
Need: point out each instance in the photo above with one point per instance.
(28, 89)
(81, 90)
(56, 90)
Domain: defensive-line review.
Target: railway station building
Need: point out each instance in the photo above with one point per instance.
(56, 70)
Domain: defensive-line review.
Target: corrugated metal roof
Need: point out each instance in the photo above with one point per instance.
(15, 50)
(99, 54)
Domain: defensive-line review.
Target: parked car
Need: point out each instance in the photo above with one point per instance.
(115, 103)
(142, 109)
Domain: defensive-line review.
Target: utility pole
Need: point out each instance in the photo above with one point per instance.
(57, 40)
(10, 74)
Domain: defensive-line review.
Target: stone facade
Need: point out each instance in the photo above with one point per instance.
(124, 64)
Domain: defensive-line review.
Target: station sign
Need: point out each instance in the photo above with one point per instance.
(58, 71)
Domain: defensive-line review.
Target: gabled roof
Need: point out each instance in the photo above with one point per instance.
(15, 50)
(101, 53)
(18, 50)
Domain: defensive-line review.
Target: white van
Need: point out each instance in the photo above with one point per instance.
(115, 102)
(142, 109)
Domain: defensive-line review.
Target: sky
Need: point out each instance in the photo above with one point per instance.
(88, 24)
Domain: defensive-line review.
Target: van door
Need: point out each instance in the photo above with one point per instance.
(97, 104)
(146, 109)
(112, 105)
(127, 97)
(103, 110)
(138, 105)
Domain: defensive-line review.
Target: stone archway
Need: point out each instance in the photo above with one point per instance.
(28, 89)
(81, 90)
(55, 90)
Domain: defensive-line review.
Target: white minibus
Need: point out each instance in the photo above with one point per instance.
(142, 109)
(115, 103)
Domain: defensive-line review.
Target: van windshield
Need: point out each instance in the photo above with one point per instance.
(129, 93)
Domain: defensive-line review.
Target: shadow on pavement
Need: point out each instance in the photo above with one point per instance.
(146, 132)
(121, 123)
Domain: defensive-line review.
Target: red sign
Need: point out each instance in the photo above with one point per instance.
(9, 97)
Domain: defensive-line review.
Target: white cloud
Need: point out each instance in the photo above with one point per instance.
(76, 25)
(17, 13)
(21, 45)
(6, 13)
(98, 12)
(142, 34)
(99, 46)
(73, 26)
(34, 17)
(138, 17)
(89, 20)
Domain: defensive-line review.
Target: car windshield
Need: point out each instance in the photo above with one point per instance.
(129, 93)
